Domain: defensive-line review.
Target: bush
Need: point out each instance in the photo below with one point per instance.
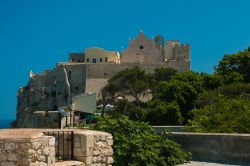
(164, 114)
(224, 116)
(124, 107)
(136, 143)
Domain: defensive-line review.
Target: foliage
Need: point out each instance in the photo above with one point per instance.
(211, 81)
(225, 115)
(160, 74)
(192, 78)
(164, 113)
(235, 66)
(164, 74)
(136, 143)
(180, 92)
(131, 81)
(236, 90)
(108, 95)
(124, 107)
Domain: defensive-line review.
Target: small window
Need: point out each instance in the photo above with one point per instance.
(94, 60)
(100, 59)
(105, 74)
(141, 47)
(87, 59)
(106, 59)
(72, 59)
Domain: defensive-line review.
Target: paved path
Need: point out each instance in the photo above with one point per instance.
(196, 163)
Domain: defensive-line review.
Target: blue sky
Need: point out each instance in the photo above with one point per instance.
(37, 34)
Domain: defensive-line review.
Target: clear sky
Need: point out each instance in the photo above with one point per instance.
(35, 34)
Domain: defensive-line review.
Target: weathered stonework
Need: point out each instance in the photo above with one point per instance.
(93, 148)
(24, 151)
(30, 147)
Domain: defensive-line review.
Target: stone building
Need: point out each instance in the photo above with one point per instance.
(89, 71)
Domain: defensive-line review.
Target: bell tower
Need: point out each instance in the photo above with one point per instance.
(159, 43)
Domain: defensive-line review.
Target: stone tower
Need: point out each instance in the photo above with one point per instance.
(160, 44)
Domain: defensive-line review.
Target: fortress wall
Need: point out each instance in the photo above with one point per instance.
(95, 85)
(98, 74)
(107, 70)
(182, 52)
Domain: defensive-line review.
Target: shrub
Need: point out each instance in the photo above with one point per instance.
(164, 114)
(136, 143)
(224, 116)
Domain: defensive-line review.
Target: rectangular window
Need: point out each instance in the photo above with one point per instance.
(100, 59)
(87, 59)
(106, 59)
(94, 60)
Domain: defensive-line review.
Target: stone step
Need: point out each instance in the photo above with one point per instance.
(69, 163)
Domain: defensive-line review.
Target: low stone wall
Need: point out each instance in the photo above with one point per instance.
(93, 148)
(226, 148)
(21, 149)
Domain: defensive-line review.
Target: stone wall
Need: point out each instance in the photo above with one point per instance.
(24, 147)
(36, 150)
(107, 70)
(98, 74)
(93, 148)
(228, 148)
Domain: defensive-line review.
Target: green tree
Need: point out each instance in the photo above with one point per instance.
(131, 81)
(136, 144)
(235, 66)
(211, 81)
(124, 107)
(223, 116)
(192, 78)
(180, 92)
(109, 93)
(164, 113)
(164, 74)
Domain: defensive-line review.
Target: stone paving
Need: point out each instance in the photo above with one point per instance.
(196, 163)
